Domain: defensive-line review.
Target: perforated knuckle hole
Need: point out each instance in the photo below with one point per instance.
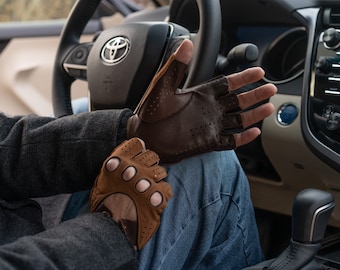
(143, 185)
(156, 199)
(129, 173)
(112, 164)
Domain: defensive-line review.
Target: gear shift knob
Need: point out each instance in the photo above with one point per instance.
(311, 211)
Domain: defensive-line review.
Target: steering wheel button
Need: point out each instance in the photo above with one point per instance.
(287, 114)
(79, 54)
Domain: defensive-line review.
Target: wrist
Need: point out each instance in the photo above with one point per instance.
(122, 133)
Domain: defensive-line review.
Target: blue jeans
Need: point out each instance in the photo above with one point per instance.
(209, 223)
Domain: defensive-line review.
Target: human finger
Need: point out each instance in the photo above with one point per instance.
(257, 114)
(172, 71)
(250, 75)
(184, 52)
(250, 98)
(246, 136)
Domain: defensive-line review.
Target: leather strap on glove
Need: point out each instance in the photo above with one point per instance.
(178, 123)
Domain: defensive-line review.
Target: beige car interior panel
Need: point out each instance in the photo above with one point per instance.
(26, 66)
(296, 165)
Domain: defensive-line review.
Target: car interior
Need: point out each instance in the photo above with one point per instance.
(293, 167)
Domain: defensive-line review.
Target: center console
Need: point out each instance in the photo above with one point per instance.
(321, 100)
(320, 116)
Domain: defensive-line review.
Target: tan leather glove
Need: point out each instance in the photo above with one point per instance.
(178, 123)
(132, 153)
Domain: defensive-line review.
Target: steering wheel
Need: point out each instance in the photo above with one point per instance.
(120, 63)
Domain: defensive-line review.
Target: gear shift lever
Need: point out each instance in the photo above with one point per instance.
(311, 211)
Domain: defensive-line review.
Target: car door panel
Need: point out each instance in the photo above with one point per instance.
(26, 61)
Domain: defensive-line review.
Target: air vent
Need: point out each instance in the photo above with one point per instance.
(332, 17)
(284, 59)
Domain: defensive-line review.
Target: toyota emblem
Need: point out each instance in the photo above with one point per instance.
(115, 50)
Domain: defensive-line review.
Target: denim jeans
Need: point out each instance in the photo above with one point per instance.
(209, 223)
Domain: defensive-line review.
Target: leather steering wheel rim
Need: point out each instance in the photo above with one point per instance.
(202, 66)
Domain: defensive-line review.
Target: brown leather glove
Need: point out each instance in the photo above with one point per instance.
(132, 153)
(178, 123)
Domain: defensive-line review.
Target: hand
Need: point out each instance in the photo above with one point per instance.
(177, 123)
(130, 189)
(248, 99)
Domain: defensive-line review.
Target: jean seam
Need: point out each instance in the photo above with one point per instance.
(242, 229)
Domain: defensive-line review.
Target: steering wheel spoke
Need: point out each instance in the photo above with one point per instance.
(75, 63)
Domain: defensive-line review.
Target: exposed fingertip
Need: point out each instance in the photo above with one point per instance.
(273, 87)
(259, 70)
(259, 132)
(141, 142)
(184, 52)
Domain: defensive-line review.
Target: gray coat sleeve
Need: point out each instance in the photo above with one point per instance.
(41, 156)
(91, 241)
